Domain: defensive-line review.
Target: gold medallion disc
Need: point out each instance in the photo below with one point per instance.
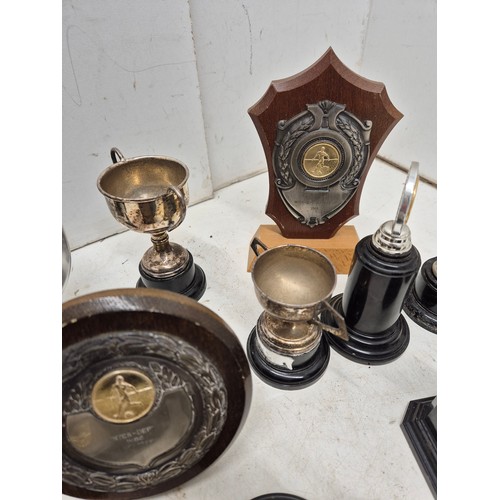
(321, 160)
(123, 396)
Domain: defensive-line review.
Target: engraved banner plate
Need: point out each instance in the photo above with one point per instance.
(155, 387)
(320, 130)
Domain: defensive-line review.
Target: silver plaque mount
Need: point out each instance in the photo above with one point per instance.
(318, 159)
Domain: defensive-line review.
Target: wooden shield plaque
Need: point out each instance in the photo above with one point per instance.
(321, 130)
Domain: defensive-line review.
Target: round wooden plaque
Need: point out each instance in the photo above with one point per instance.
(155, 388)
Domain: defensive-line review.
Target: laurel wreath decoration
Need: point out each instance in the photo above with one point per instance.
(284, 179)
(78, 399)
(351, 181)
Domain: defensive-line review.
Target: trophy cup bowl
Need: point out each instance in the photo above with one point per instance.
(149, 194)
(293, 284)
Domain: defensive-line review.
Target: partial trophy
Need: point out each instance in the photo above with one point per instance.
(421, 303)
(321, 130)
(149, 194)
(420, 429)
(66, 259)
(384, 268)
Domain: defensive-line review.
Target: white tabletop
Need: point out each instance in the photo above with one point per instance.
(341, 438)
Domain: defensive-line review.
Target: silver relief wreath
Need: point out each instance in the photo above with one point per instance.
(314, 199)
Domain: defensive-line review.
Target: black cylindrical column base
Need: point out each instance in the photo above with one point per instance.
(190, 281)
(309, 371)
(377, 286)
(368, 348)
(371, 304)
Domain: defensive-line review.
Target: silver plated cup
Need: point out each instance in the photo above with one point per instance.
(293, 284)
(149, 194)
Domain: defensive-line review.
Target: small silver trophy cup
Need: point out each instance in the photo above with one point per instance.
(293, 284)
(149, 194)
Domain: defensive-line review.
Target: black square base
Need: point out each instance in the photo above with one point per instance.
(420, 428)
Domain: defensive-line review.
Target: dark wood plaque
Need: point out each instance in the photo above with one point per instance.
(320, 129)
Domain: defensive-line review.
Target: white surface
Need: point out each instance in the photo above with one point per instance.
(340, 438)
(130, 81)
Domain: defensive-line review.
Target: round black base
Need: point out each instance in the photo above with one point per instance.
(419, 313)
(195, 289)
(368, 348)
(283, 378)
(278, 496)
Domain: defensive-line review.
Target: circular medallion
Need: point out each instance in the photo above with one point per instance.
(123, 396)
(321, 160)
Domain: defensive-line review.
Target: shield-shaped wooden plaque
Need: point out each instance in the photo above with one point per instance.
(321, 130)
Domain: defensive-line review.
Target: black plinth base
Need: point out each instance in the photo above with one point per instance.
(419, 313)
(368, 348)
(190, 282)
(283, 378)
(421, 433)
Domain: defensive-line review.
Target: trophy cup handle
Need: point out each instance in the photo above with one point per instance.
(116, 155)
(341, 331)
(407, 199)
(180, 201)
(255, 244)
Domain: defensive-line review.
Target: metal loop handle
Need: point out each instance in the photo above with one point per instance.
(257, 243)
(407, 199)
(341, 331)
(182, 204)
(116, 155)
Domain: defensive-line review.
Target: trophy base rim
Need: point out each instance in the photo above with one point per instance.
(421, 434)
(194, 289)
(278, 496)
(282, 378)
(366, 348)
(418, 313)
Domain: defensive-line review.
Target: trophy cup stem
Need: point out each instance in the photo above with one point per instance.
(164, 259)
(161, 242)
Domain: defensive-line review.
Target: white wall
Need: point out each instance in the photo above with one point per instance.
(400, 50)
(133, 73)
(242, 46)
